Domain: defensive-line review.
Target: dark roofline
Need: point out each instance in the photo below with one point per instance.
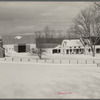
(71, 38)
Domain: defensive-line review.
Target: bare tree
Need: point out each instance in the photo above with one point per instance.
(71, 33)
(50, 33)
(97, 4)
(47, 32)
(87, 24)
(39, 50)
(61, 34)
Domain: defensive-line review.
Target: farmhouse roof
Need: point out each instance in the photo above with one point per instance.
(73, 42)
(18, 39)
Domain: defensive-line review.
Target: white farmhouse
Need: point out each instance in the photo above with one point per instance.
(72, 46)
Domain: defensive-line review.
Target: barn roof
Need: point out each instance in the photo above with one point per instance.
(46, 45)
(18, 39)
(48, 42)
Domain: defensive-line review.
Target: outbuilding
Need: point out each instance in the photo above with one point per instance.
(49, 45)
(18, 43)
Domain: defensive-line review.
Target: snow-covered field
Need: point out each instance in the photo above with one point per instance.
(24, 80)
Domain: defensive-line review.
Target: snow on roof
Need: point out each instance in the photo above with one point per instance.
(73, 42)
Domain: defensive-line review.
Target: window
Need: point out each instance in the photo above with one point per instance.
(89, 50)
(98, 50)
(54, 51)
(74, 47)
(67, 51)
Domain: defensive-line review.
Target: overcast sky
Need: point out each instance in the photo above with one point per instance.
(30, 16)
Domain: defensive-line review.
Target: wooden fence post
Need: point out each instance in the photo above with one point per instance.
(93, 62)
(77, 61)
(12, 59)
(53, 60)
(28, 59)
(86, 61)
(20, 59)
(60, 61)
(69, 61)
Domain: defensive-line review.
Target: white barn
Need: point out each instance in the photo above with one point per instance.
(18, 43)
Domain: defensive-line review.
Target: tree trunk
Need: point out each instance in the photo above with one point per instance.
(93, 50)
(93, 53)
(40, 56)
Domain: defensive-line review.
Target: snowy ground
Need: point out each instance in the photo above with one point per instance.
(24, 80)
(54, 56)
(25, 77)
